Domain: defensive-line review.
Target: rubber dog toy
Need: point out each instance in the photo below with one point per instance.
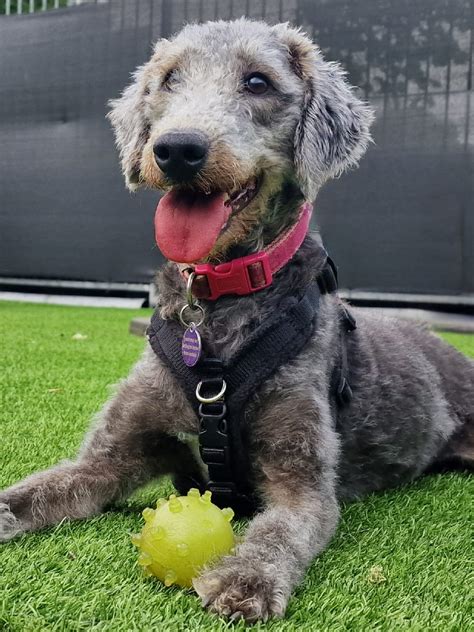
(181, 536)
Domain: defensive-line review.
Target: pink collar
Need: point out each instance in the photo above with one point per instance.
(254, 272)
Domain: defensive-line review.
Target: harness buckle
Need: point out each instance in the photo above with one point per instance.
(222, 490)
(215, 456)
(239, 276)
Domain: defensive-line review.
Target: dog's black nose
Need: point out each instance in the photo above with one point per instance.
(181, 155)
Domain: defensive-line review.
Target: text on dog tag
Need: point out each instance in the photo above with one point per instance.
(191, 346)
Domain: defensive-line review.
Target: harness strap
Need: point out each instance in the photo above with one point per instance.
(280, 338)
(273, 343)
(327, 278)
(221, 446)
(343, 388)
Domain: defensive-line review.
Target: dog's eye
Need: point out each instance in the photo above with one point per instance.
(256, 83)
(168, 80)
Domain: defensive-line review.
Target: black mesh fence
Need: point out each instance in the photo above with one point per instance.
(404, 221)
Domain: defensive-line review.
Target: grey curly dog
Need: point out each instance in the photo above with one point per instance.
(265, 121)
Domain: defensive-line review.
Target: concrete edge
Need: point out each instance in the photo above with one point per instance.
(438, 321)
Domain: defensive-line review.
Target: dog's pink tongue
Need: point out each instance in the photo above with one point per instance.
(187, 224)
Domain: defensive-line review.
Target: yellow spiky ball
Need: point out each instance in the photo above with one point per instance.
(182, 535)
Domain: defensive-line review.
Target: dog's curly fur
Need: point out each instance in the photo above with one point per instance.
(413, 394)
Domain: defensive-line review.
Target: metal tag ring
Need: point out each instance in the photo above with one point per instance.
(189, 293)
(214, 398)
(195, 307)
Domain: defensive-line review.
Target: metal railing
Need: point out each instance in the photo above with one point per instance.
(193, 9)
(20, 7)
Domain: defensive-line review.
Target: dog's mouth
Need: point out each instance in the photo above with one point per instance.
(188, 223)
(240, 198)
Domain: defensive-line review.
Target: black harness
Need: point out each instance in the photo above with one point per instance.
(274, 343)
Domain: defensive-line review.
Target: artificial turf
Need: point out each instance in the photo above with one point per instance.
(401, 560)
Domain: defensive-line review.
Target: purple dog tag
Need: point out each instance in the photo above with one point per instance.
(191, 346)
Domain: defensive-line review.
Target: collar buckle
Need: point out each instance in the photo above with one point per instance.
(239, 276)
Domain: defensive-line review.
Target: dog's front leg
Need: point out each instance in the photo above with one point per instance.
(297, 462)
(135, 439)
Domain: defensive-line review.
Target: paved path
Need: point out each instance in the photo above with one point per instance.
(440, 321)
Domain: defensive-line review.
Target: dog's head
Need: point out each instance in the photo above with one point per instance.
(233, 120)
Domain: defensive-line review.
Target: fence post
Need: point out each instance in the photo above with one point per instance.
(166, 18)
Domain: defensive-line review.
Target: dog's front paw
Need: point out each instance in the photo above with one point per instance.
(9, 525)
(238, 589)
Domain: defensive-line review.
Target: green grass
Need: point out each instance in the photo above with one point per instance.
(83, 576)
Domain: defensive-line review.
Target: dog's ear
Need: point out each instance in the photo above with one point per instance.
(131, 128)
(333, 131)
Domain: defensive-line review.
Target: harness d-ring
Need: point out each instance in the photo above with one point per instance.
(214, 398)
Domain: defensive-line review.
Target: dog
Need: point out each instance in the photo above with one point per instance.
(249, 120)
